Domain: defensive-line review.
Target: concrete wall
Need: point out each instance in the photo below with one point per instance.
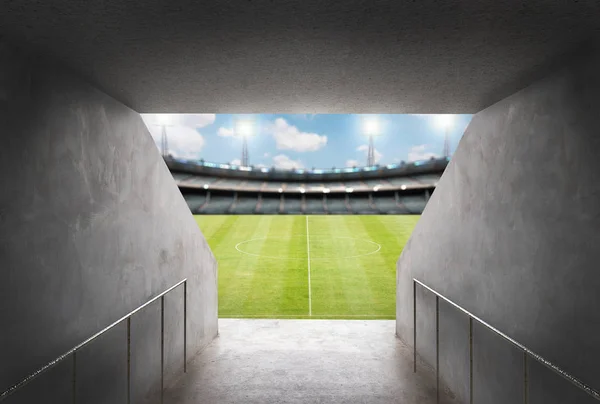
(92, 226)
(512, 234)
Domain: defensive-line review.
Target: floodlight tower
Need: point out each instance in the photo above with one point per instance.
(371, 129)
(446, 144)
(245, 130)
(445, 122)
(164, 142)
(164, 120)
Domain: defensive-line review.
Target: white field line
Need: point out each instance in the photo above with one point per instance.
(308, 260)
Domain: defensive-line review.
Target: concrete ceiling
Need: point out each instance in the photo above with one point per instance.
(304, 56)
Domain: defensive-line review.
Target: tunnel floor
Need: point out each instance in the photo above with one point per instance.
(305, 361)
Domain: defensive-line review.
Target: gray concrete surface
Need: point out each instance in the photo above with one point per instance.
(511, 234)
(305, 361)
(309, 56)
(92, 226)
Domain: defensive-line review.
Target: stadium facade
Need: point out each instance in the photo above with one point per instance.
(211, 188)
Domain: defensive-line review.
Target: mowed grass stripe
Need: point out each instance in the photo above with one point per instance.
(381, 271)
(279, 283)
(295, 294)
(246, 271)
(234, 271)
(328, 295)
(355, 280)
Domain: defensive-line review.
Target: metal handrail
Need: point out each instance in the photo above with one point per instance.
(73, 351)
(526, 351)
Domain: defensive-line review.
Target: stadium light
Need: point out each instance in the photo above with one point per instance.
(205, 186)
(302, 190)
(403, 187)
(244, 128)
(445, 122)
(349, 190)
(280, 190)
(326, 190)
(371, 128)
(376, 188)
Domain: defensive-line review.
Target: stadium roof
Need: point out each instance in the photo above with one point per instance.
(304, 56)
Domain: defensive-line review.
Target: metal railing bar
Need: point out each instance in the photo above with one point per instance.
(162, 348)
(56, 361)
(595, 394)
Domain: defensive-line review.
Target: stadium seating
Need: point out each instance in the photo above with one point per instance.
(292, 205)
(269, 204)
(244, 205)
(388, 204)
(217, 205)
(361, 205)
(194, 201)
(221, 189)
(337, 204)
(414, 204)
(314, 205)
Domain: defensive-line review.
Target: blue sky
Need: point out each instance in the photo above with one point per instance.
(306, 141)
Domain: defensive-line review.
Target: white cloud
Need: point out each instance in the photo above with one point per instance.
(288, 137)
(420, 152)
(260, 165)
(225, 132)
(284, 162)
(267, 155)
(183, 142)
(235, 162)
(365, 148)
(353, 163)
(190, 120)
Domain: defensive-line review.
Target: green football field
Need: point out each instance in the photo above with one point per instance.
(330, 267)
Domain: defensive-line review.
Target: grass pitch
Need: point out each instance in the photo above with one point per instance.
(330, 267)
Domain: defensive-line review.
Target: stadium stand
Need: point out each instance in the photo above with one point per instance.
(315, 204)
(292, 205)
(216, 204)
(244, 205)
(210, 188)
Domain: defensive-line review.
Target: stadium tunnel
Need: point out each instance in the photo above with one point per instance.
(92, 225)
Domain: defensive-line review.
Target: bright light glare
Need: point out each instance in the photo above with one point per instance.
(164, 119)
(444, 121)
(244, 128)
(371, 125)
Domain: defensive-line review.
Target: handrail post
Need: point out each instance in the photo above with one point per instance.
(162, 348)
(437, 347)
(525, 379)
(74, 377)
(470, 360)
(414, 326)
(128, 360)
(185, 327)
